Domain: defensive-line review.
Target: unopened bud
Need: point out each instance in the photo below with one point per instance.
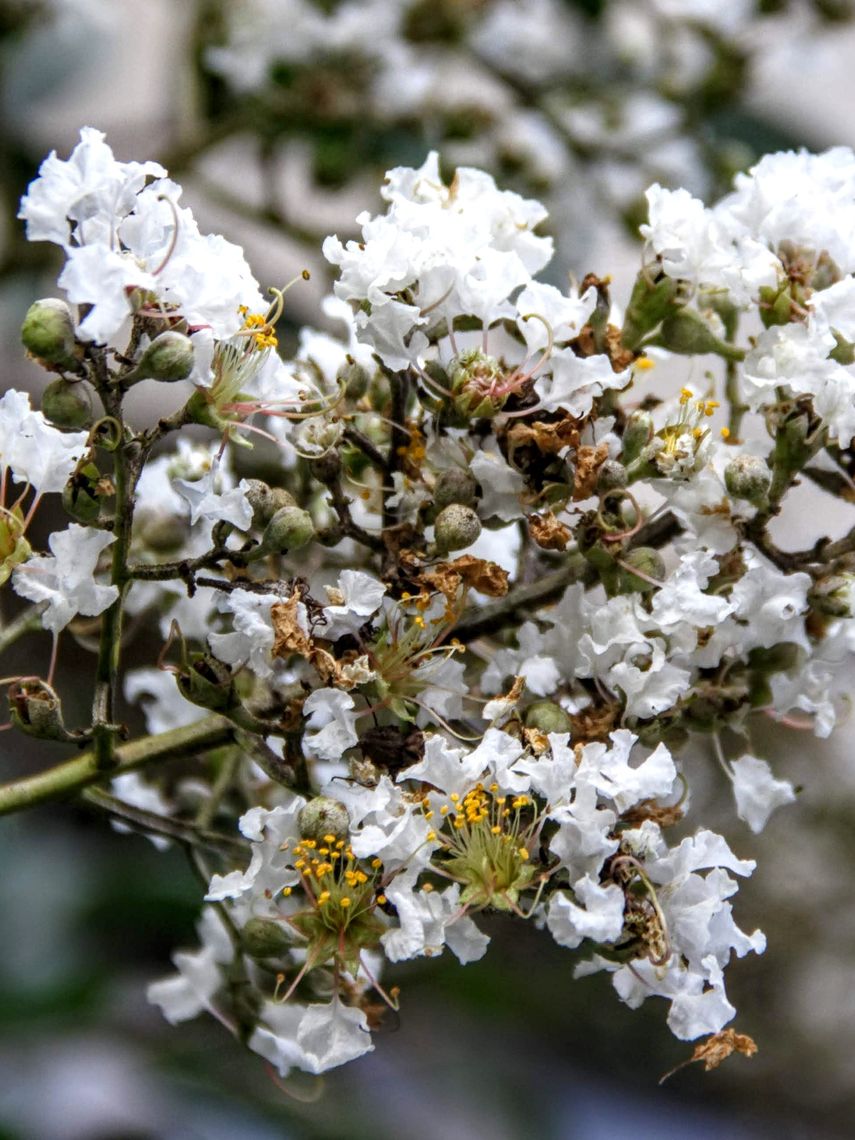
(748, 477)
(289, 529)
(66, 404)
(324, 816)
(611, 476)
(547, 716)
(637, 433)
(455, 486)
(354, 378)
(648, 562)
(169, 357)
(264, 938)
(266, 501)
(650, 302)
(48, 333)
(456, 527)
(687, 333)
(833, 596)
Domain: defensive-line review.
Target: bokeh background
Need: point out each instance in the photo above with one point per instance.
(279, 118)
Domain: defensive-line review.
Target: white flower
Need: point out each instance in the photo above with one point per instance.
(253, 635)
(573, 382)
(330, 727)
(608, 769)
(199, 973)
(209, 502)
(757, 792)
(36, 452)
(76, 201)
(428, 920)
(600, 918)
(352, 602)
(66, 578)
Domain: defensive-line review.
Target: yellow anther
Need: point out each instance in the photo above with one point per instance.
(323, 897)
(427, 888)
(444, 809)
(725, 433)
(428, 815)
(345, 902)
(431, 835)
(286, 891)
(523, 853)
(644, 364)
(496, 830)
(329, 840)
(376, 863)
(382, 900)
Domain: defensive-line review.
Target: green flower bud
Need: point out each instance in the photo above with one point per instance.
(650, 303)
(611, 476)
(456, 527)
(843, 351)
(264, 938)
(686, 332)
(14, 548)
(797, 439)
(476, 380)
(834, 596)
(354, 378)
(66, 404)
(776, 305)
(266, 501)
(289, 529)
(637, 433)
(169, 357)
(748, 477)
(547, 716)
(48, 333)
(455, 486)
(324, 816)
(649, 562)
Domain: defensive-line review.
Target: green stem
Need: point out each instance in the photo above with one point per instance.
(150, 823)
(70, 777)
(24, 623)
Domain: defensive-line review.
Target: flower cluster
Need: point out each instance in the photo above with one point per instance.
(443, 640)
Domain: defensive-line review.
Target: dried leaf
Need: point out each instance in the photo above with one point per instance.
(289, 636)
(594, 722)
(486, 577)
(548, 532)
(548, 438)
(475, 573)
(589, 460)
(717, 1049)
